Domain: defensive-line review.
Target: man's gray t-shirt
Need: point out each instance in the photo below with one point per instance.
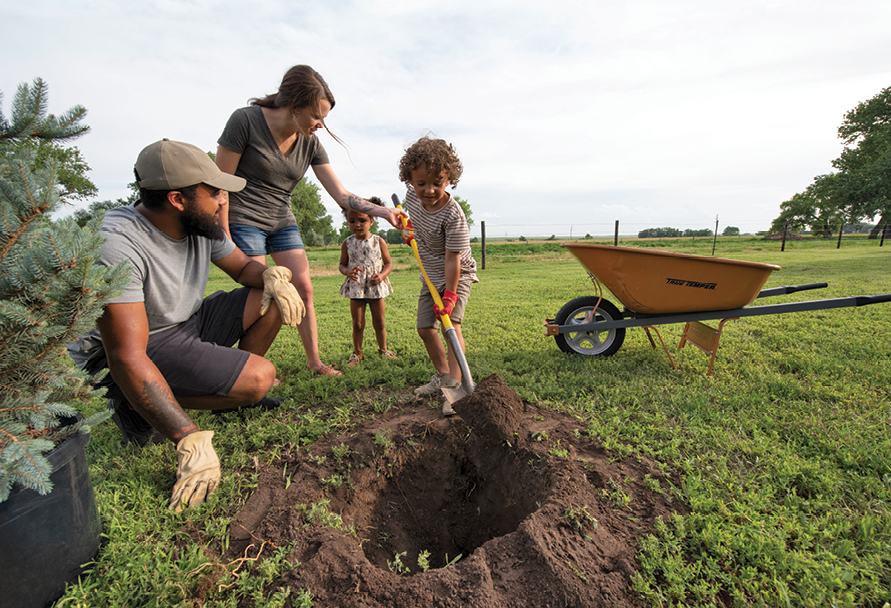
(168, 275)
(271, 176)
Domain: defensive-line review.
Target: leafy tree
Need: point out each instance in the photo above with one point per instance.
(465, 206)
(866, 163)
(659, 233)
(698, 232)
(51, 291)
(393, 236)
(730, 231)
(315, 224)
(71, 168)
(861, 188)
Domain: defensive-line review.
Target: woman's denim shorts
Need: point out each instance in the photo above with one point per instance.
(256, 241)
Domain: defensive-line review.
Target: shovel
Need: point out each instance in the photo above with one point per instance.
(467, 386)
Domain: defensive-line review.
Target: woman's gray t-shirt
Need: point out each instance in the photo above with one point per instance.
(271, 176)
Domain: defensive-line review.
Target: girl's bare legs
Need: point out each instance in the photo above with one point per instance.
(377, 321)
(357, 312)
(296, 261)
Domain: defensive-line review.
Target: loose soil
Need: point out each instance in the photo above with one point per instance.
(512, 505)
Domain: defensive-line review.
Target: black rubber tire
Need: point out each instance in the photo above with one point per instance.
(592, 343)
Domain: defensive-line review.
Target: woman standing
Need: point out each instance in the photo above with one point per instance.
(271, 143)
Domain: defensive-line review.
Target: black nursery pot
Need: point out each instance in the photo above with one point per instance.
(45, 540)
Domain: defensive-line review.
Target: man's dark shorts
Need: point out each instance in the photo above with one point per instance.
(196, 357)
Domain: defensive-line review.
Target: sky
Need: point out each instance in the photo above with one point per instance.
(567, 116)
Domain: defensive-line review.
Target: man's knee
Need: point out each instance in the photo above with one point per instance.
(256, 378)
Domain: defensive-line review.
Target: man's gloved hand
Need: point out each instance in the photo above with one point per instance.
(197, 470)
(408, 233)
(449, 299)
(277, 286)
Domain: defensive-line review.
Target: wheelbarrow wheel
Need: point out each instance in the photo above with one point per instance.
(599, 343)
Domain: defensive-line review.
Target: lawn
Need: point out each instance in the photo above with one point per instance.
(783, 452)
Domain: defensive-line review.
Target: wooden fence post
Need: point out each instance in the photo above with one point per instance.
(483, 228)
(616, 237)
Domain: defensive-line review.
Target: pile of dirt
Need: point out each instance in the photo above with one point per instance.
(506, 505)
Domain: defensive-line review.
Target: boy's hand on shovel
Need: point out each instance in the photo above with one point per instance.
(449, 299)
(408, 232)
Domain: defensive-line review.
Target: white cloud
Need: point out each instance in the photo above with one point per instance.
(641, 111)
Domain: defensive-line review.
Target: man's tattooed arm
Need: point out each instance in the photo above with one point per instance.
(160, 408)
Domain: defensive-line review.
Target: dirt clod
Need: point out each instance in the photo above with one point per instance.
(506, 505)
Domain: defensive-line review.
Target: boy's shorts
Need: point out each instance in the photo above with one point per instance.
(427, 318)
(256, 241)
(196, 357)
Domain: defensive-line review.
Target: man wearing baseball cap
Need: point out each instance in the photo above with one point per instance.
(167, 347)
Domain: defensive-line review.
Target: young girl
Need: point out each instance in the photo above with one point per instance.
(365, 260)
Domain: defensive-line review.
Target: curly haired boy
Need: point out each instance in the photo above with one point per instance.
(428, 167)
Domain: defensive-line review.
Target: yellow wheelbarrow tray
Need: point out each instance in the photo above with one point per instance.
(661, 287)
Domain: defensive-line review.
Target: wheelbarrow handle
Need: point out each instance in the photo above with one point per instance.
(778, 291)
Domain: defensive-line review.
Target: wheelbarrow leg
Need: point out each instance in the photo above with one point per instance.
(704, 338)
(647, 329)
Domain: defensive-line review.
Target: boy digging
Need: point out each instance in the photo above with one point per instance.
(428, 167)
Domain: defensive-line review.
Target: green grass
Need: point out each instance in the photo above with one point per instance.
(783, 453)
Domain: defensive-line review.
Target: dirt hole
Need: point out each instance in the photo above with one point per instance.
(448, 498)
(538, 511)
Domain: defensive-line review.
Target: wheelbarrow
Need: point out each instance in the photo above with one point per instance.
(661, 287)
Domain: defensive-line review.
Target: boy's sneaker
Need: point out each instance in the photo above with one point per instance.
(132, 425)
(437, 381)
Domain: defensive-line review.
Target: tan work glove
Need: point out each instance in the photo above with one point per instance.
(277, 286)
(197, 470)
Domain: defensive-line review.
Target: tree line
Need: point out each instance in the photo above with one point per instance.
(668, 232)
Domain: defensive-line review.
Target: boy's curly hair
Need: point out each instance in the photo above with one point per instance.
(437, 155)
(371, 199)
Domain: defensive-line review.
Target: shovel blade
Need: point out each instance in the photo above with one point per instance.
(454, 394)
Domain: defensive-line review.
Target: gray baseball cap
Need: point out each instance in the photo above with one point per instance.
(168, 165)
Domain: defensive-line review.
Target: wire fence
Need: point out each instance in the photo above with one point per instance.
(600, 230)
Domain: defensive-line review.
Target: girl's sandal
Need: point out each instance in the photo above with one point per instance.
(327, 370)
(354, 360)
(386, 354)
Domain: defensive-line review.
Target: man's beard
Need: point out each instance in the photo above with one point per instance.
(195, 224)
